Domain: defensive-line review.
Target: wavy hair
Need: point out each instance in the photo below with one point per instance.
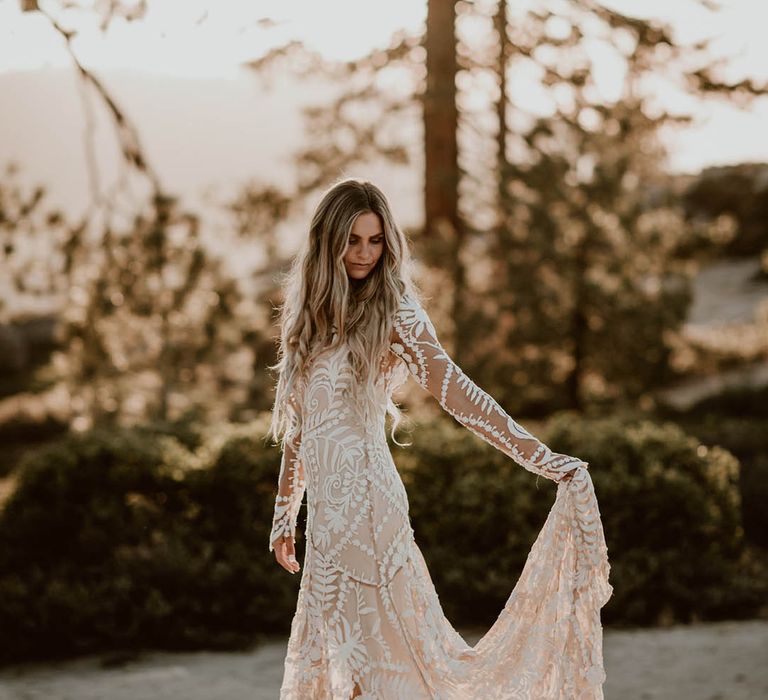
(322, 308)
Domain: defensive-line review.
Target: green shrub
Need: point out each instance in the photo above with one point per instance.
(136, 538)
(737, 419)
(126, 539)
(19, 435)
(672, 517)
(474, 515)
(670, 509)
(747, 438)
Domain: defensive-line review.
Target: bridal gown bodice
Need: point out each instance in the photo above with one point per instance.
(357, 507)
(367, 612)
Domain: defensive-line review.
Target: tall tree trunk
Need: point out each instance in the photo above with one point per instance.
(500, 24)
(444, 232)
(441, 176)
(579, 328)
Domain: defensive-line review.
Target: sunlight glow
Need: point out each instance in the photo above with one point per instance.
(198, 38)
(205, 39)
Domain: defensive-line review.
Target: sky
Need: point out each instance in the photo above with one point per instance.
(209, 39)
(212, 38)
(206, 41)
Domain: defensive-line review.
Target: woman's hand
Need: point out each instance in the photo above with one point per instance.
(569, 474)
(285, 553)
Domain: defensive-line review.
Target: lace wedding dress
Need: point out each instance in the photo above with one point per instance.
(368, 619)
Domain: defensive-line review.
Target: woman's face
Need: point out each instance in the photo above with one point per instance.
(365, 245)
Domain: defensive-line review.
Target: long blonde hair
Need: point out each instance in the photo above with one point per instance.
(321, 308)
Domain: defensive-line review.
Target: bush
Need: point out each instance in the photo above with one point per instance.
(737, 419)
(18, 435)
(747, 439)
(126, 539)
(134, 539)
(670, 509)
(671, 513)
(474, 514)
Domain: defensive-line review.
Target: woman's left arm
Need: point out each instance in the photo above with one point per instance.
(415, 341)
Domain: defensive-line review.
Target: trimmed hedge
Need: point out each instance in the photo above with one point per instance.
(670, 509)
(133, 539)
(126, 539)
(747, 439)
(737, 419)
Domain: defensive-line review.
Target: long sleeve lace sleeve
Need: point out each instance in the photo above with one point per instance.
(291, 482)
(415, 341)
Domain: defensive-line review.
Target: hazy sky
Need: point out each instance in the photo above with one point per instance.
(209, 40)
(201, 38)
(205, 38)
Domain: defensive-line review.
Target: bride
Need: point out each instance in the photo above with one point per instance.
(368, 621)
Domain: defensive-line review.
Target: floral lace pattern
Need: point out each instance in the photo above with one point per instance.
(291, 484)
(368, 618)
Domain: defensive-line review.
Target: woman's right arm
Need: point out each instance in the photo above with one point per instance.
(291, 485)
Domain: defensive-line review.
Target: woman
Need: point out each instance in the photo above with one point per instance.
(368, 621)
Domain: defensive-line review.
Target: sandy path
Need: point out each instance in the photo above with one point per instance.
(719, 661)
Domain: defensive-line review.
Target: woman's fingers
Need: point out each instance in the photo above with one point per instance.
(568, 475)
(285, 553)
(290, 550)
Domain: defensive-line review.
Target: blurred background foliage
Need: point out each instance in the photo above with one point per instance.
(155, 536)
(566, 269)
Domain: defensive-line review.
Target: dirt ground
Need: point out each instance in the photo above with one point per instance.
(716, 661)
